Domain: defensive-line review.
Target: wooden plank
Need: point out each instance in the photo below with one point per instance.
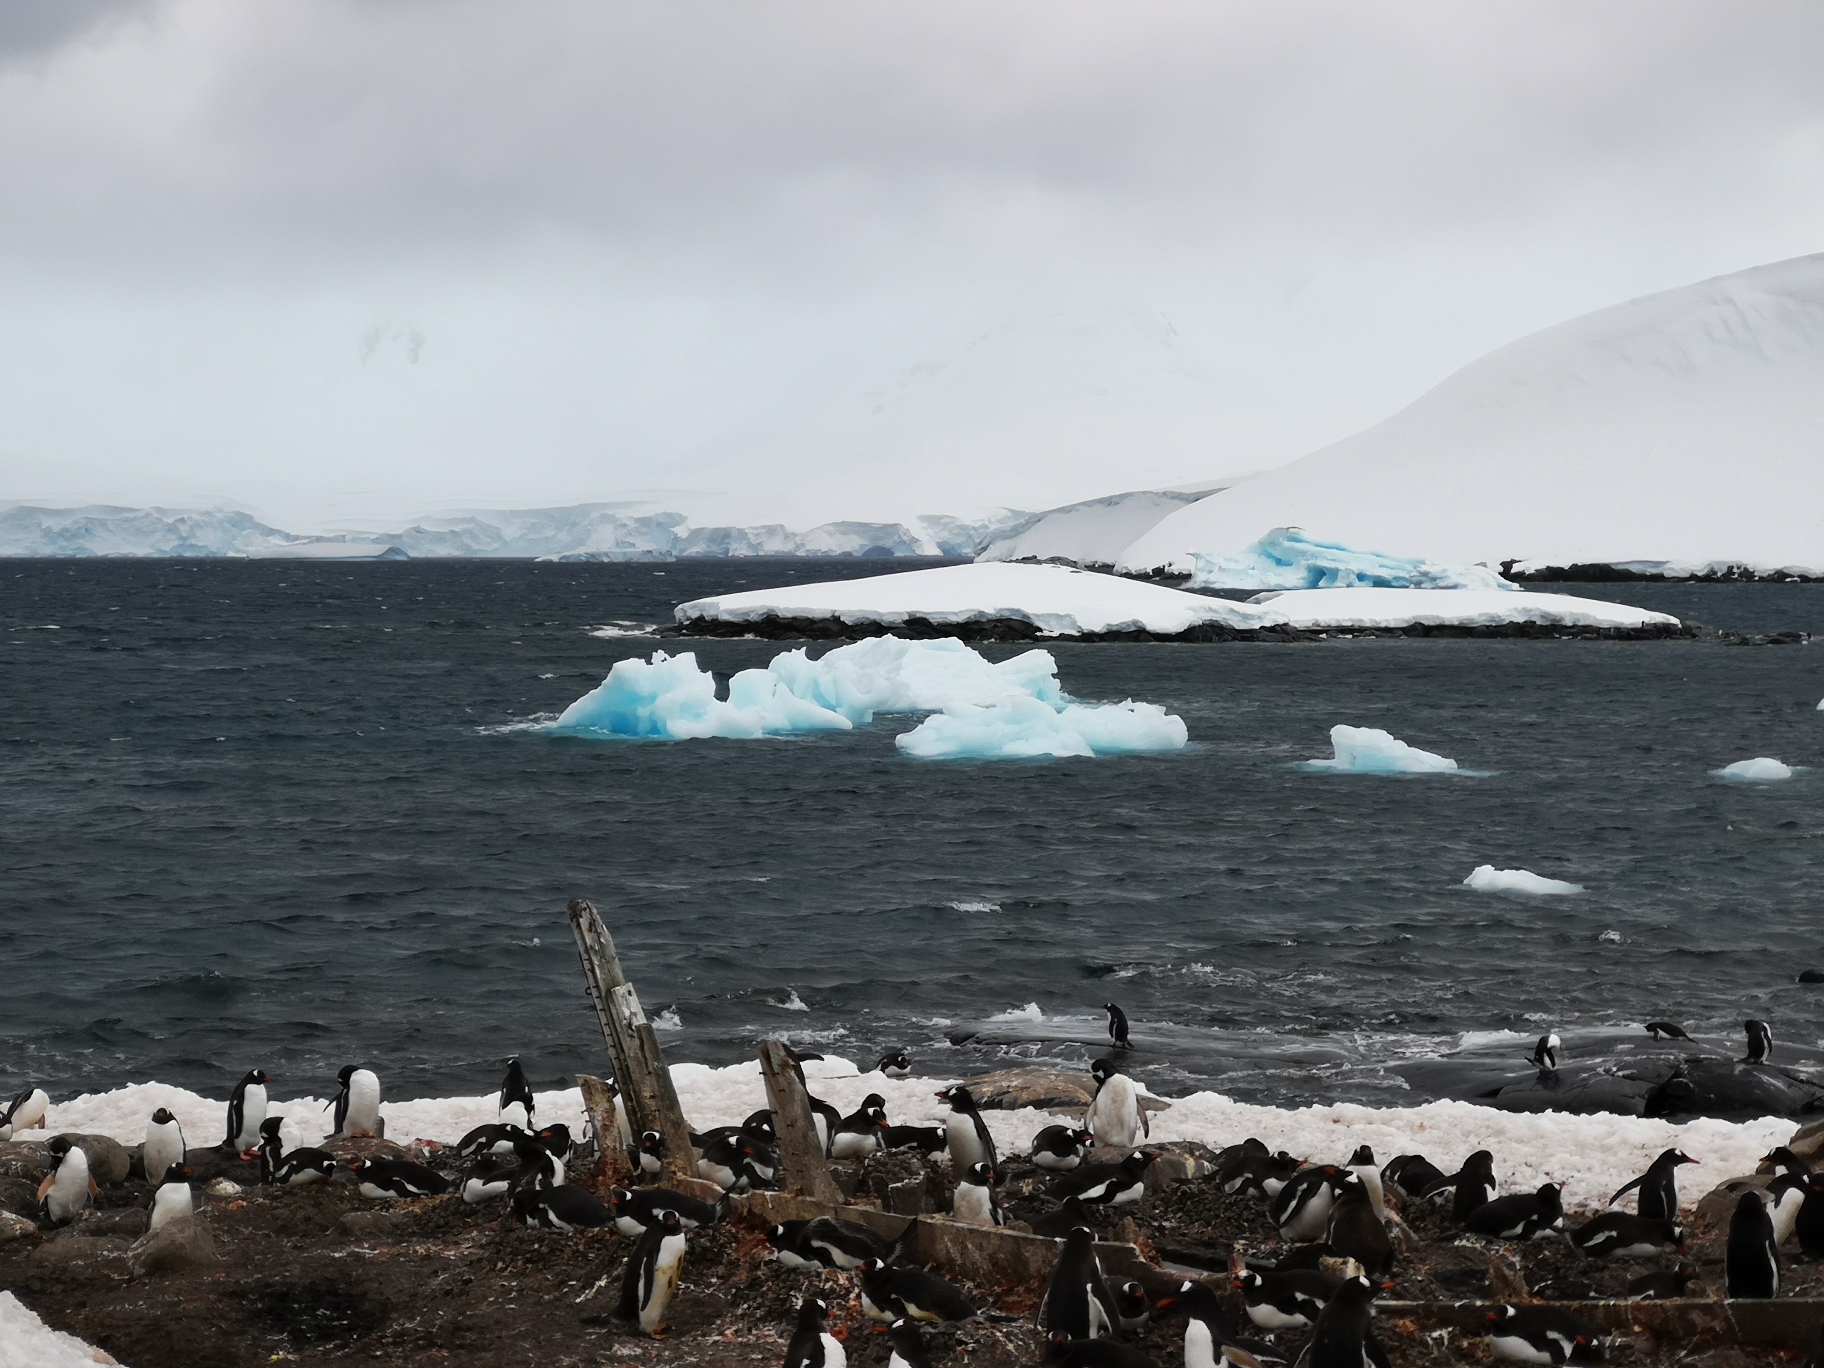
(598, 1105)
(1793, 1322)
(640, 1072)
(803, 1168)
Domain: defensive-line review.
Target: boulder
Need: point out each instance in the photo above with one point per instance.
(78, 1249)
(1580, 1094)
(109, 1162)
(15, 1227)
(128, 1223)
(207, 1163)
(19, 1196)
(369, 1225)
(24, 1159)
(362, 1147)
(1716, 1206)
(1707, 1086)
(1808, 1143)
(1059, 1090)
(175, 1246)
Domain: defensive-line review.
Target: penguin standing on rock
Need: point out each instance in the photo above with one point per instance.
(1474, 1185)
(164, 1144)
(652, 1274)
(1077, 1300)
(173, 1201)
(1115, 1116)
(358, 1103)
(908, 1343)
(1356, 1230)
(1362, 1165)
(967, 1134)
(1658, 1200)
(1343, 1335)
(1302, 1208)
(812, 1345)
(64, 1194)
(1117, 1027)
(974, 1202)
(1545, 1053)
(516, 1096)
(1751, 1258)
(246, 1110)
(280, 1167)
(1760, 1043)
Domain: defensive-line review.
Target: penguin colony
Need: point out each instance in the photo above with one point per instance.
(1340, 1224)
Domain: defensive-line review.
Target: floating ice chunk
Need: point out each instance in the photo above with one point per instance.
(890, 675)
(1025, 728)
(1488, 879)
(1761, 770)
(1369, 750)
(670, 697)
(1287, 559)
(668, 1020)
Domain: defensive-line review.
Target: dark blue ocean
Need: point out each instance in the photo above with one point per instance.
(264, 813)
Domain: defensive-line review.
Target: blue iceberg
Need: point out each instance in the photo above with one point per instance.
(1287, 559)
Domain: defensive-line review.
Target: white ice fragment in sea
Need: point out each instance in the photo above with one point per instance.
(668, 1020)
(1761, 770)
(1369, 750)
(792, 1003)
(1488, 879)
(1024, 728)
(1612, 937)
(1288, 559)
(1030, 1012)
(971, 905)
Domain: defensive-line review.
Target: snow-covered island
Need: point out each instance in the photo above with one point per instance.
(1004, 601)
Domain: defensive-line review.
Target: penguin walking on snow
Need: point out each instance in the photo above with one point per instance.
(246, 1109)
(358, 1103)
(64, 1194)
(516, 1096)
(1115, 1116)
(174, 1201)
(967, 1134)
(1751, 1258)
(1545, 1053)
(1117, 1027)
(25, 1111)
(812, 1345)
(280, 1167)
(1077, 1299)
(1658, 1199)
(652, 1274)
(164, 1144)
(1760, 1043)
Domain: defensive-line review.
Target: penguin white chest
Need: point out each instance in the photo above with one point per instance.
(164, 1147)
(972, 1205)
(1199, 1345)
(1114, 1115)
(172, 1202)
(253, 1111)
(363, 1103)
(665, 1269)
(69, 1190)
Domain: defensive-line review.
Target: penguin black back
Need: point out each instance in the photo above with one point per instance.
(1475, 1185)
(1658, 1200)
(1760, 1043)
(1117, 1026)
(1077, 1299)
(1751, 1259)
(1344, 1331)
(515, 1088)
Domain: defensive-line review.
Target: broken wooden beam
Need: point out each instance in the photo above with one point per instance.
(611, 1165)
(803, 1166)
(641, 1076)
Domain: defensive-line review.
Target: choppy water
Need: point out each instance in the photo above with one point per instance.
(255, 813)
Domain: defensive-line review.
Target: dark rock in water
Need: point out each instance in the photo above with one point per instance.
(1705, 1086)
(1580, 1094)
(1811, 976)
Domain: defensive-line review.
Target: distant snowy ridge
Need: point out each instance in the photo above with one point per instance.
(1682, 432)
(1091, 534)
(580, 532)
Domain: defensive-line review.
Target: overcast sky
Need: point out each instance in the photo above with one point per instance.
(340, 260)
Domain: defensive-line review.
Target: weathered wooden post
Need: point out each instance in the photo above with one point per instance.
(803, 1168)
(611, 1163)
(640, 1072)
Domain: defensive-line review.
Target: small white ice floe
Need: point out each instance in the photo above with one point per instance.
(792, 1003)
(1369, 750)
(1488, 879)
(668, 1020)
(1763, 769)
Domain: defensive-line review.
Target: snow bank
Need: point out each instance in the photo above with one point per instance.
(27, 1342)
(1024, 729)
(1678, 429)
(1317, 610)
(1488, 879)
(1092, 533)
(1287, 559)
(1761, 770)
(1369, 750)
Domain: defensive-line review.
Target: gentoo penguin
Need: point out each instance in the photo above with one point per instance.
(1131, 1305)
(1658, 1200)
(1662, 1284)
(280, 1167)
(246, 1109)
(66, 1189)
(827, 1242)
(894, 1064)
(637, 1208)
(925, 1139)
(733, 1162)
(967, 1134)
(1521, 1216)
(1541, 1334)
(812, 1345)
(1356, 1231)
(908, 1343)
(1077, 1298)
(1060, 1148)
(1117, 1027)
(652, 1274)
(496, 1137)
(1287, 1300)
(491, 1180)
(1545, 1054)
(1106, 1184)
(648, 1154)
(1115, 1115)
(1302, 1208)
(1786, 1197)
(1207, 1341)
(1055, 1225)
(1781, 1160)
(1474, 1185)
(566, 1208)
(381, 1179)
(1810, 1225)
(1615, 1234)
(858, 1134)
(164, 1144)
(826, 1119)
(173, 1201)
(1666, 1030)
(25, 1111)
(1362, 1165)
(1413, 1175)
(1061, 1351)
(538, 1166)
(358, 1103)
(1760, 1043)
(974, 1202)
(1751, 1259)
(889, 1293)
(1249, 1168)
(1343, 1334)
(516, 1093)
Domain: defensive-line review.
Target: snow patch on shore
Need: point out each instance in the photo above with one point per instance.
(27, 1342)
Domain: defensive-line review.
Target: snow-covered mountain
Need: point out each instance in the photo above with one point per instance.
(1682, 433)
(1093, 533)
(103, 530)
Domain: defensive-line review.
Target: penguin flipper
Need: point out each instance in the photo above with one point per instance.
(903, 1243)
(1626, 1188)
